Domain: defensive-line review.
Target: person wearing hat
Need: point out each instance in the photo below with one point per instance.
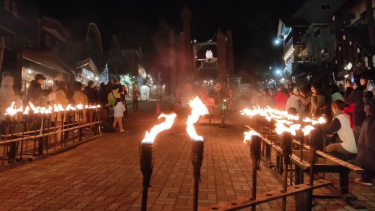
(36, 94)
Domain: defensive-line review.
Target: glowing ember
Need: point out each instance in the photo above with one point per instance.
(198, 109)
(169, 120)
(249, 134)
(11, 110)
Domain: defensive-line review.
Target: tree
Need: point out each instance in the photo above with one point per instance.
(105, 75)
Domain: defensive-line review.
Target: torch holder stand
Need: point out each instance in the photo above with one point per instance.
(286, 145)
(147, 165)
(255, 154)
(196, 159)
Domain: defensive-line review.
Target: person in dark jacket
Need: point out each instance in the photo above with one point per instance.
(354, 94)
(36, 95)
(103, 101)
(92, 97)
(366, 145)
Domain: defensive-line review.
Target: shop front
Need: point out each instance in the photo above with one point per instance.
(45, 63)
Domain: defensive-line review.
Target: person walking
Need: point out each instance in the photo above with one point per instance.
(118, 109)
(136, 94)
(36, 95)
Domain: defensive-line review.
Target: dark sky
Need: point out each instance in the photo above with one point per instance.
(145, 23)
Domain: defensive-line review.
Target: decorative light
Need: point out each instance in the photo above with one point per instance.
(209, 54)
(96, 78)
(28, 71)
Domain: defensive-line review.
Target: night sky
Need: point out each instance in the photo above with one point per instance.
(145, 24)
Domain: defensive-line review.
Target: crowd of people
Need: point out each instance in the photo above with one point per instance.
(349, 111)
(110, 96)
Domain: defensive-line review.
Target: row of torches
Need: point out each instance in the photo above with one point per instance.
(13, 110)
(146, 148)
(284, 122)
(287, 125)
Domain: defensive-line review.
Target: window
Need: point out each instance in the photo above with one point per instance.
(12, 6)
(326, 7)
(317, 33)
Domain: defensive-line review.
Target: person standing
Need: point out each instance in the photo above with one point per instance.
(103, 101)
(62, 117)
(79, 97)
(305, 99)
(318, 101)
(292, 104)
(52, 96)
(366, 146)
(136, 94)
(7, 97)
(354, 94)
(118, 109)
(112, 96)
(281, 98)
(36, 95)
(92, 97)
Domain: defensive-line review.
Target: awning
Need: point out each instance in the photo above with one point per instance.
(302, 69)
(47, 59)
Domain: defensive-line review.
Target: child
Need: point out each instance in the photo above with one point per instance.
(118, 110)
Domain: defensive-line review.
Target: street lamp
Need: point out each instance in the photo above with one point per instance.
(276, 41)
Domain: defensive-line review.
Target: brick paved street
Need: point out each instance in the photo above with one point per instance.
(104, 174)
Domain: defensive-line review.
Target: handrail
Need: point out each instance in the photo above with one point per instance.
(47, 134)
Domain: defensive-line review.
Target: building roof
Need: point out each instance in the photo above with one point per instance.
(313, 11)
(47, 59)
(294, 22)
(90, 63)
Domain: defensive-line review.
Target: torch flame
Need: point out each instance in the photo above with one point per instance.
(198, 109)
(169, 120)
(27, 109)
(307, 129)
(249, 134)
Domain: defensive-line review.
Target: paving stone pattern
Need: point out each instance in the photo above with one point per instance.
(104, 174)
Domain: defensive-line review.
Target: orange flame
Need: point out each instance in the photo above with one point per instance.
(198, 109)
(169, 120)
(249, 134)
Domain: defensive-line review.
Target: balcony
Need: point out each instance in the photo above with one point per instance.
(289, 45)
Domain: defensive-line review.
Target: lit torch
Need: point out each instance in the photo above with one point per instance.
(253, 139)
(198, 109)
(146, 154)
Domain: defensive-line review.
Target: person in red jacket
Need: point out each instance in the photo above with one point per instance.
(281, 98)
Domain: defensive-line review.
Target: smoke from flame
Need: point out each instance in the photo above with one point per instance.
(169, 120)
